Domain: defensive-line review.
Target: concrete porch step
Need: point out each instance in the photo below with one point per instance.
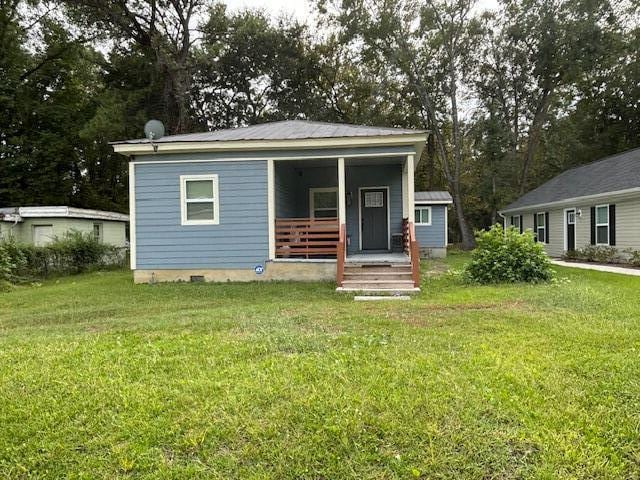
(380, 290)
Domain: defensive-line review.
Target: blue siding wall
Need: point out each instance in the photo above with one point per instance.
(433, 235)
(239, 241)
(373, 176)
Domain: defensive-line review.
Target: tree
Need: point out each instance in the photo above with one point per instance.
(163, 28)
(433, 57)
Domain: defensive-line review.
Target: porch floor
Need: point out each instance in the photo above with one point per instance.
(369, 258)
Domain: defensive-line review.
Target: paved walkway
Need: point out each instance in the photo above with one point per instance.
(601, 268)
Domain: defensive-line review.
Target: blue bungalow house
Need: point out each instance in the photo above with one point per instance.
(286, 200)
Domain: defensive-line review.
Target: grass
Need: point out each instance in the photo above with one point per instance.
(103, 379)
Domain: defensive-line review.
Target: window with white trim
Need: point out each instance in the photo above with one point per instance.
(602, 225)
(541, 227)
(423, 216)
(323, 202)
(199, 199)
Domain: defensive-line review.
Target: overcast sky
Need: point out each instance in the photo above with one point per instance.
(300, 8)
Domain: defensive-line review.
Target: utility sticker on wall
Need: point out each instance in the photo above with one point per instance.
(259, 269)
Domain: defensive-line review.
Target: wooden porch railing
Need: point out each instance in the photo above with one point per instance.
(307, 237)
(341, 254)
(412, 248)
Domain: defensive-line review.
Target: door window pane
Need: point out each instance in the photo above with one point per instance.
(374, 199)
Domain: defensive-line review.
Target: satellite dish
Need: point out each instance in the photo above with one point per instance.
(153, 130)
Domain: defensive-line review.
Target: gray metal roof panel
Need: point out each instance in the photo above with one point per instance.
(435, 196)
(285, 130)
(610, 174)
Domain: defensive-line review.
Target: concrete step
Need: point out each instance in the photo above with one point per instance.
(379, 290)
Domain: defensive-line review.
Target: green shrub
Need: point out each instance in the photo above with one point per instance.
(74, 253)
(507, 256)
(594, 253)
(634, 257)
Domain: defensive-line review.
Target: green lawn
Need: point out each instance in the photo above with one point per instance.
(100, 379)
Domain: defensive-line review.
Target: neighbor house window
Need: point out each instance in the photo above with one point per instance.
(602, 225)
(97, 232)
(323, 202)
(199, 199)
(541, 228)
(423, 215)
(516, 222)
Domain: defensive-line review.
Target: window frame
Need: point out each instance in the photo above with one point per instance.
(543, 227)
(607, 225)
(421, 223)
(184, 201)
(312, 209)
(100, 236)
(517, 226)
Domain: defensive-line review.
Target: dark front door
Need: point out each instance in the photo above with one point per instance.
(373, 216)
(571, 230)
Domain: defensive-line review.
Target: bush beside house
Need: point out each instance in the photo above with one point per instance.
(506, 256)
(74, 253)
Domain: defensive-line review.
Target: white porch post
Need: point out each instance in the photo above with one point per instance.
(271, 207)
(410, 189)
(405, 191)
(342, 194)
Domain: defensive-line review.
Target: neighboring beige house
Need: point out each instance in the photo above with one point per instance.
(594, 204)
(41, 225)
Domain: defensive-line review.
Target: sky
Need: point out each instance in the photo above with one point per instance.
(301, 9)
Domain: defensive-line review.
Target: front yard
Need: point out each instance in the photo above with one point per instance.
(100, 378)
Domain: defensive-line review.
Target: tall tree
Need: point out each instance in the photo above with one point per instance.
(428, 43)
(164, 28)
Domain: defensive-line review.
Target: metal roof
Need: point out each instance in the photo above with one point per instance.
(611, 174)
(432, 197)
(285, 130)
(18, 213)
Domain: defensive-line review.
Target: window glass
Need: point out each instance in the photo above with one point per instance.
(418, 215)
(541, 227)
(602, 215)
(325, 200)
(602, 234)
(200, 211)
(97, 234)
(199, 189)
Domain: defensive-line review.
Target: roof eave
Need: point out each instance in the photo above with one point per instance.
(415, 140)
(618, 194)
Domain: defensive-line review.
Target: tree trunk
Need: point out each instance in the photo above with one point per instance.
(467, 239)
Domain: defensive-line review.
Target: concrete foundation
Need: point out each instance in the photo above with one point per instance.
(298, 271)
(433, 252)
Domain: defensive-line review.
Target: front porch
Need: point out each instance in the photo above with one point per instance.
(346, 210)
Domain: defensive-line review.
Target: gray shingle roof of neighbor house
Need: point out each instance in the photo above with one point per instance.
(610, 174)
(285, 130)
(426, 197)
